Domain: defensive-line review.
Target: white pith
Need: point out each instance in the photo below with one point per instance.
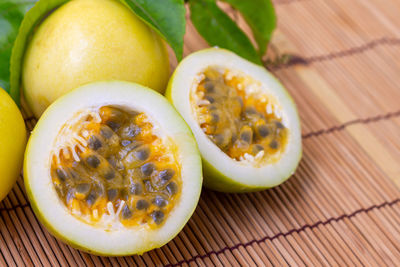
(186, 78)
(115, 240)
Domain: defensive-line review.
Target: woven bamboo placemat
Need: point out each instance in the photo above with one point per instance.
(342, 207)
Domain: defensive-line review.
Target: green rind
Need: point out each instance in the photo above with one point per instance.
(61, 236)
(32, 18)
(218, 181)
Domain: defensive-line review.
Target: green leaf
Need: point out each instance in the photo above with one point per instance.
(218, 29)
(166, 17)
(32, 18)
(11, 14)
(260, 16)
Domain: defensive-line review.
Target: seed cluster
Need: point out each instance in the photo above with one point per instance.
(237, 117)
(122, 166)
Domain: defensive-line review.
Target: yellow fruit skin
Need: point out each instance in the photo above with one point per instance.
(90, 40)
(12, 143)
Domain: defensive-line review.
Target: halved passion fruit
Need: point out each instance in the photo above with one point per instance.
(245, 122)
(112, 169)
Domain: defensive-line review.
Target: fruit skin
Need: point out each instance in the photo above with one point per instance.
(214, 178)
(90, 40)
(12, 143)
(50, 210)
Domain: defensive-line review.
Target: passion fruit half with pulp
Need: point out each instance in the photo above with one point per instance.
(245, 122)
(112, 169)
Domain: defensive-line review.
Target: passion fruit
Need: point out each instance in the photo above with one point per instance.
(84, 41)
(245, 122)
(112, 169)
(12, 143)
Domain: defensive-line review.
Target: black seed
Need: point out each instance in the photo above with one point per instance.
(114, 125)
(125, 150)
(212, 107)
(257, 148)
(133, 145)
(147, 169)
(142, 204)
(210, 99)
(93, 161)
(149, 187)
(160, 201)
(279, 125)
(91, 198)
(94, 143)
(209, 86)
(74, 175)
(172, 188)
(167, 174)
(214, 117)
(142, 153)
(106, 132)
(263, 130)
(61, 174)
(136, 189)
(112, 194)
(218, 139)
(157, 216)
(124, 194)
(246, 136)
(113, 161)
(109, 175)
(126, 212)
(117, 113)
(250, 111)
(130, 131)
(83, 188)
(234, 138)
(125, 142)
(274, 144)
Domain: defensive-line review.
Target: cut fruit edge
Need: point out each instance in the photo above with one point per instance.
(53, 213)
(221, 172)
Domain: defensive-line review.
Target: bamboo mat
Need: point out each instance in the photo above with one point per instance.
(342, 207)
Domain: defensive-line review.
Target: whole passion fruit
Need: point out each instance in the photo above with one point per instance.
(245, 122)
(112, 169)
(84, 41)
(12, 143)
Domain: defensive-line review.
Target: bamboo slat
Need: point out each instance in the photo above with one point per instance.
(342, 206)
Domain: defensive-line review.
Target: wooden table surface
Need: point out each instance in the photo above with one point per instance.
(342, 207)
